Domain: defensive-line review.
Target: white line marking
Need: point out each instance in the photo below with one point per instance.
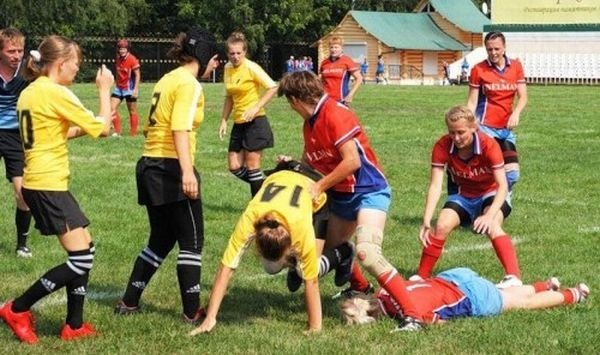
(59, 298)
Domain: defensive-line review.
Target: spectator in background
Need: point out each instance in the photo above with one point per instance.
(248, 89)
(309, 64)
(12, 44)
(336, 71)
(127, 88)
(380, 71)
(290, 65)
(446, 79)
(464, 71)
(364, 67)
(493, 86)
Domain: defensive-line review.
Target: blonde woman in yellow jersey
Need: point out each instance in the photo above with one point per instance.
(288, 228)
(49, 114)
(167, 182)
(248, 89)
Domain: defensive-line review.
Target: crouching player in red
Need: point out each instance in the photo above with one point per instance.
(46, 111)
(335, 144)
(460, 292)
(287, 226)
(475, 164)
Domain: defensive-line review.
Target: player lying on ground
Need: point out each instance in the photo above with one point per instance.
(287, 227)
(460, 292)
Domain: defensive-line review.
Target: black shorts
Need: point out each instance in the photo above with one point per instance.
(320, 221)
(11, 149)
(251, 136)
(159, 181)
(54, 212)
(128, 98)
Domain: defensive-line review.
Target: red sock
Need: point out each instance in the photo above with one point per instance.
(541, 286)
(116, 121)
(430, 256)
(357, 281)
(133, 120)
(569, 296)
(507, 254)
(394, 284)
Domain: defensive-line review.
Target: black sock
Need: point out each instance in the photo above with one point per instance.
(331, 258)
(76, 291)
(144, 268)
(22, 221)
(189, 266)
(241, 173)
(256, 178)
(52, 280)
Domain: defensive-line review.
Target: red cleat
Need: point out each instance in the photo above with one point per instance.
(67, 333)
(22, 324)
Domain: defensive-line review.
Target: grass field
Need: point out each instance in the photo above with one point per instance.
(555, 223)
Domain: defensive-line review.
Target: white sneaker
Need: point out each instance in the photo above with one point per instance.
(115, 134)
(415, 277)
(24, 252)
(583, 291)
(509, 281)
(553, 284)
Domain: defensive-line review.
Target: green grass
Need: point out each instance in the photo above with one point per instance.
(555, 223)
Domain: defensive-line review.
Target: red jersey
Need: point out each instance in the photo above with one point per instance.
(497, 89)
(331, 125)
(125, 67)
(335, 75)
(433, 299)
(474, 177)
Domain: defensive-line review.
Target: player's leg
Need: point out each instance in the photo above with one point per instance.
(369, 239)
(115, 100)
(511, 157)
(544, 299)
(161, 242)
(133, 115)
(258, 136)
(188, 222)
(255, 175)
(236, 153)
(504, 247)
(449, 219)
(22, 219)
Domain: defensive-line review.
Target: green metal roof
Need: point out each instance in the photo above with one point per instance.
(406, 31)
(463, 13)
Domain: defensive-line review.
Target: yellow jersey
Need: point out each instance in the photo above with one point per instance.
(286, 195)
(245, 84)
(177, 105)
(46, 110)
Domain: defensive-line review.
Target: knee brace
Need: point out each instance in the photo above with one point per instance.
(81, 261)
(368, 250)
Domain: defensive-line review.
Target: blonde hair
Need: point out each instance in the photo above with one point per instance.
(460, 112)
(336, 40)
(272, 239)
(11, 34)
(360, 310)
(52, 49)
(237, 37)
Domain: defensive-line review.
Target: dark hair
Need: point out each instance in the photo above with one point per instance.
(11, 34)
(303, 85)
(50, 50)
(272, 238)
(195, 44)
(494, 35)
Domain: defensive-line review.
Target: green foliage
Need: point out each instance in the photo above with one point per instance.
(554, 223)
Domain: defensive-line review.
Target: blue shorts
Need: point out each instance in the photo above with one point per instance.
(503, 134)
(474, 206)
(486, 299)
(123, 94)
(347, 206)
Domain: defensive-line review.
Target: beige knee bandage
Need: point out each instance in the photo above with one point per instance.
(368, 250)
